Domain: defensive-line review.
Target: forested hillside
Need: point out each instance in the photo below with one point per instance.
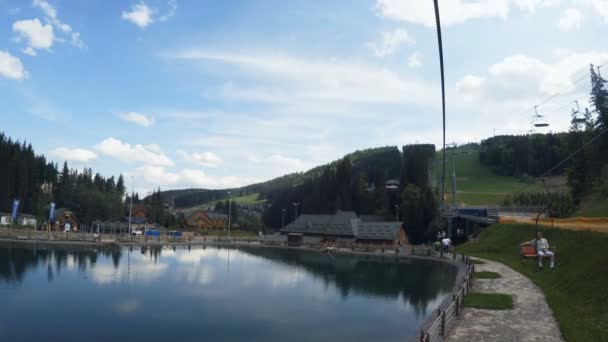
(366, 162)
(579, 154)
(36, 182)
(22, 174)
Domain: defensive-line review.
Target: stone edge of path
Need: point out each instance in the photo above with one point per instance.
(544, 321)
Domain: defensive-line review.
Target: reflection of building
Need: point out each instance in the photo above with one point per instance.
(345, 226)
(205, 220)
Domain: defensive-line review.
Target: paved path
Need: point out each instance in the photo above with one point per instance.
(530, 320)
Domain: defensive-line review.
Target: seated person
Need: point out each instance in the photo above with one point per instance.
(542, 249)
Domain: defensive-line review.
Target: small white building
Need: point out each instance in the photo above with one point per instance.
(27, 220)
(5, 219)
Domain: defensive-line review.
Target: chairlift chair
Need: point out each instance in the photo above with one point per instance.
(575, 115)
(539, 120)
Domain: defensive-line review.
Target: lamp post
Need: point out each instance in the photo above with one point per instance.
(283, 219)
(229, 214)
(131, 206)
(397, 211)
(295, 207)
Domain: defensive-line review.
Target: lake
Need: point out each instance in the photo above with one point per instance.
(214, 294)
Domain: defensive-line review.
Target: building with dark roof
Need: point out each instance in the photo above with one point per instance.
(205, 220)
(346, 226)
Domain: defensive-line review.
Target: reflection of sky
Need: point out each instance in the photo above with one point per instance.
(229, 294)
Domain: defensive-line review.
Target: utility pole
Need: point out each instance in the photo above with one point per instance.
(283, 220)
(453, 191)
(295, 207)
(131, 206)
(229, 213)
(397, 211)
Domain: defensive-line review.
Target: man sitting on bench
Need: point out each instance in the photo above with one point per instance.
(542, 249)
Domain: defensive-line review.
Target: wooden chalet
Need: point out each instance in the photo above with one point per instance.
(345, 226)
(200, 219)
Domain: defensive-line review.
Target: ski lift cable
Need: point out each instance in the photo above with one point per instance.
(566, 159)
(569, 104)
(563, 90)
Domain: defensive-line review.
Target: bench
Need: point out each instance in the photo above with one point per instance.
(529, 252)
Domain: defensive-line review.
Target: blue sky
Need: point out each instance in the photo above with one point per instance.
(215, 94)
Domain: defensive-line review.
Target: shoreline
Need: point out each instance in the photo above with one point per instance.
(403, 255)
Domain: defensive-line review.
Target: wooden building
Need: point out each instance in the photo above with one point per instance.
(200, 219)
(62, 216)
(138, 214)
(346, 226)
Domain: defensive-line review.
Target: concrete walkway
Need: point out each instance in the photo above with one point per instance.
(530, 320)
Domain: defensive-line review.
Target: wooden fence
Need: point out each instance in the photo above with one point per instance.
(437, 327)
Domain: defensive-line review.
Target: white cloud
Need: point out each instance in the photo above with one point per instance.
(50, 13)
(138, 119)
(143, 16)
(140, 15)
(414, 60)
(289, 164)
(391, 41)
(143, 154)
(601, 7)
(151, 177)
(570, 19)
(156, 176)
(509, 88)
(454, 11)
(11, 67)
(36, 35)
(73, 154)
(197, 178)
(205, 159)
(172, 4)
(236, 182)
(470, 85)
(320, 83)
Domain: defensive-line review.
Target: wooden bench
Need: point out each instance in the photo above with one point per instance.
(529, 252)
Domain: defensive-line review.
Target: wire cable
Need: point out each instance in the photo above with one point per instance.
(566, 159)
(562, 91)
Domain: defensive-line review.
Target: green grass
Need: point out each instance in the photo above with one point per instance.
(489, 301)
(477, 184)
(577, 291)
(244, 200)
(594, 205)
(487, 275)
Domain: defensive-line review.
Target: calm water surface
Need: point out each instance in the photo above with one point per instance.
(213, 294)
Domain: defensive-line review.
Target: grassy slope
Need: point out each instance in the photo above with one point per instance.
(577, 292)
(245, 200)
(476, 184)
(593, 206)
